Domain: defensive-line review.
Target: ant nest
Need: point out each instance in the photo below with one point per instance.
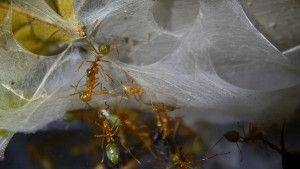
(209, 64)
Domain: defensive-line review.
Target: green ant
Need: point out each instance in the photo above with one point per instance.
(235, 137)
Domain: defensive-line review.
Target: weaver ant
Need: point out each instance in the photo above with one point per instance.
(235, 137)
(134, 89)
(103, 50)
(112, 151)
(184, 161)
(162, 118)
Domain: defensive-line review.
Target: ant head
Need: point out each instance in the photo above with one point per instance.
(104, 48)
(125, 87)
(89, 72)
(232, 136)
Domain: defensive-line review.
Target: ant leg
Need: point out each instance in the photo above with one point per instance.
(240, 151)
(126, 94)
(158, 119)
(130, 153)
(127, 77)
(96, 55)
(72, 94)
(171, 166)
(250, 126)
(207, 158)
(137, 100)
(176, 129)
(215, 144)
(116, 47)
(93, 29)
(90, 38)
(98, 85)
(121, 97)
(99, 125)
(242, 127)
(282, 143)
(101, 93)
(109, 78)
(107, 106)
(140, 98)
(89, 61)
(102, 145)
(75, 87)
(102, 69)
(116, 130)
(118, 53)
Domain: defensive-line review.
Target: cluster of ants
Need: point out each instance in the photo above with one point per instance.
(114, 123)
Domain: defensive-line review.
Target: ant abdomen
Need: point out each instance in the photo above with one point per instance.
(85, 96)
(104, 48)
(113, 153)
(232, 136)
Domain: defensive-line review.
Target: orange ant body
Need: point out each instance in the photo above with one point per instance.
(235, 137)
(103, 50)
(134, 89)
(91, 84)
(162, 118)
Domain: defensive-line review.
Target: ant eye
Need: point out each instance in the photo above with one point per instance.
(104, 48)
(232, 136)
(112, 152)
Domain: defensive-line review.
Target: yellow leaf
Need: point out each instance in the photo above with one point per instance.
(2, 132)
(37, 34)
(66, 9)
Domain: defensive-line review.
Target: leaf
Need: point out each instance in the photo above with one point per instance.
(36, 33)
(2, 132)
(4, 140)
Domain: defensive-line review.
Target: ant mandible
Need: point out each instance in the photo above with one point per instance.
(234, 137)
